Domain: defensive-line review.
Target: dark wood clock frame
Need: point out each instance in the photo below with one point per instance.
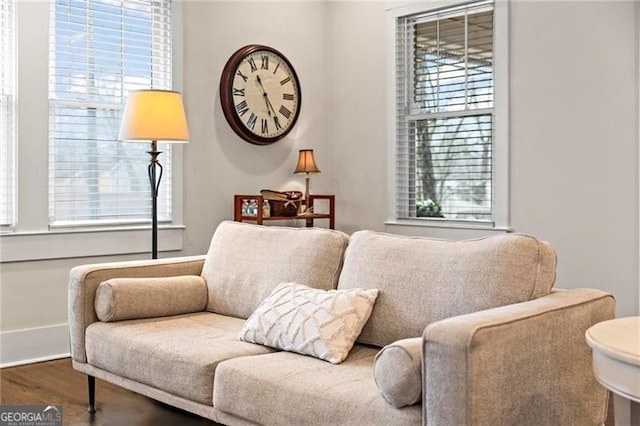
(226, 95)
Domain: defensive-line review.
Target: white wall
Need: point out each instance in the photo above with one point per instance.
(574, 144)
(573, 125)
(218, 164)
(637, 38)
(33, 308)
(357, 113)
(574, 141)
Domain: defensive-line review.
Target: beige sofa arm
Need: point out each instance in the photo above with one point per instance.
(84, 281)
(525, 364)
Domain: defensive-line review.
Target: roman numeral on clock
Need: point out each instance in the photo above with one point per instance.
(276, 121)
(285, 112)
(244, 77)
(251, 122)
(265, 62)
(265, 126)
(238, 92)
(285, 81)
(242, 108)
(253, 65)
(287, 96)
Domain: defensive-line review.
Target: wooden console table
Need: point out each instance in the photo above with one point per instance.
(309, 218)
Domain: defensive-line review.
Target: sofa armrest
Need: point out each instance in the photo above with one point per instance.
(85, 279)
(526, 363)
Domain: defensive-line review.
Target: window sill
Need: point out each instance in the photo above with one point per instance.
(451, 224)
(64, 244)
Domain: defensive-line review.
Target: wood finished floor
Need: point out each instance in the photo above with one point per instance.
(57, 383)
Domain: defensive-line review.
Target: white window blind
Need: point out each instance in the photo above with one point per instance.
(445, 115)
(99, 51)
(7, 113)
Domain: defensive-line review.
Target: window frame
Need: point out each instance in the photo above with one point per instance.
(500, 158)
(8, 93)
(32, 238)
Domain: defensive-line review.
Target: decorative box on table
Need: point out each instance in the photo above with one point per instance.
(283, 203)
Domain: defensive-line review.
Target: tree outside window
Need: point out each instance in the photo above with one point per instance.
(445, 119)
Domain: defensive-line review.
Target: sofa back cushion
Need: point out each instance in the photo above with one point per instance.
(246, 262)
(422, 280)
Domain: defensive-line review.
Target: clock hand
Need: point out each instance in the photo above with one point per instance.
(266, 97)
(269, 105)
(264, 94)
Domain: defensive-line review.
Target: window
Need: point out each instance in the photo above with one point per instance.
(7, 114)
(65, 52)
(99, 51)
(445, 116)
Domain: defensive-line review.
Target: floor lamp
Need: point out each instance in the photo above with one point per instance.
(154, 116)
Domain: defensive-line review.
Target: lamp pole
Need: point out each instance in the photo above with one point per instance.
(154, 181)
(153, 115)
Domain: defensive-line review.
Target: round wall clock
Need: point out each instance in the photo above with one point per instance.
(260, 94)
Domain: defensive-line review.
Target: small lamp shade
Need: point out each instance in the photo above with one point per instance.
(154, 115)
(306, 162)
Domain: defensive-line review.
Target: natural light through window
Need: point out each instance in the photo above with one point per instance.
(99, 51)
(445, 116)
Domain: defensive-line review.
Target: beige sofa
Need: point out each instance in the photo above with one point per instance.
(460, 333)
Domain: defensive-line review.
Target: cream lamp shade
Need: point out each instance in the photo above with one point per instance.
(306, 162)
(154, 115)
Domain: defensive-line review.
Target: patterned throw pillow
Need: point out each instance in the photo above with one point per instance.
(301, 319)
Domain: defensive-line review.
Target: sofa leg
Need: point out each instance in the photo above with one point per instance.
(92, 394)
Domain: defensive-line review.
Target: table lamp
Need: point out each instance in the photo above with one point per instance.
(154, 116)
(306, 164)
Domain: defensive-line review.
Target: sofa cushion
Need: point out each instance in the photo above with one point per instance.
(422, 280)
(120, 299)
(289, 389)
(397, 370)
(176, 354)
(246, 262)
(310, 321)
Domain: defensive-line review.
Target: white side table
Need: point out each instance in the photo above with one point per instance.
(616, 364)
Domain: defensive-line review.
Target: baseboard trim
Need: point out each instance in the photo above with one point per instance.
(27, 346)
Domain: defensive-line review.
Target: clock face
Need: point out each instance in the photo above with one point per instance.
(260, 94)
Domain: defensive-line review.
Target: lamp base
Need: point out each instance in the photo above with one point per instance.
(154, 181)
(306, 209)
